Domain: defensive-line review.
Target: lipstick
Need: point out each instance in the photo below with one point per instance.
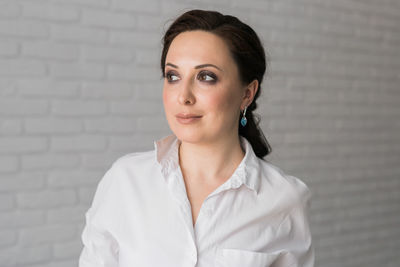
(187, 118)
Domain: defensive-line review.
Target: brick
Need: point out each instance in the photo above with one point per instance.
(52, 126)
(91, 3)
(46, 199)
(135, 108)
(107, 54)
(7, 87)
(18, 218)
(290, 67)
(78, 34)
(21, 144)
(8, 237)
(49, 12)
(6, 203)
(14, 106)
(150, 22)
(79, 143)
(286, 96)
(107, 19)
(299, 23)
(110, 125)
(68, 250)
(107, 90)
(47, 50)
(60, 263)
(172, 9)
(22, 67)
(289, 9)
(295, 38)
(151, 90)
(131, 143)
(22, 181)
(74, 70)
(72, 179)
(143, 39)
(9, 9)
(141, 6)
(152, 124)
(261, 6)
(267, 25)
(48, 88)
(46, 234)
(49, 161)
(131, 73)
(337, 29)
(8, 164)
(8, 256)
(10, 127)
(8, 48)
(147, 57)
(86, 194)
(79, 107)
(65, 215)
(98, 161)
(35, 254)
(23, 28)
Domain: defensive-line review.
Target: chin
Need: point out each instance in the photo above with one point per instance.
(188, 135)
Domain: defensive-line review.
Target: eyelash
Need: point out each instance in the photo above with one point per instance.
(169, 74)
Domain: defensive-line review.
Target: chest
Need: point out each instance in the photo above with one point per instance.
(197, 193)
(157, 223)
(163, 229)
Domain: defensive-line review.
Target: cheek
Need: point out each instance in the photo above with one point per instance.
(223, 105)
(225, 101)
(167, 99)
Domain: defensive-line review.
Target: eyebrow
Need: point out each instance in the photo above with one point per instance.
(196, 67)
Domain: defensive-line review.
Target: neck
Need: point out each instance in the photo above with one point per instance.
(212, 162)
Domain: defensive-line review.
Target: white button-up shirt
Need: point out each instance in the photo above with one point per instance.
(141, 216)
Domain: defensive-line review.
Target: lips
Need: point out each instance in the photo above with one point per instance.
(187, 116)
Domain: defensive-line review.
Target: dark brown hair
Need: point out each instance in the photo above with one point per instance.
(247, 51)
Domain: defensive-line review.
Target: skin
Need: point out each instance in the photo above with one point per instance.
(210, 149)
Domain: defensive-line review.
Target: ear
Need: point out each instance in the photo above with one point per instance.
(249, 93)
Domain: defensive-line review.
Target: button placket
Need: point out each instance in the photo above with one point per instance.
(208, 213)
(207, 208)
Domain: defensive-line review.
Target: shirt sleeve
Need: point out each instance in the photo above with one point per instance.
(295, 232)
(100, 246)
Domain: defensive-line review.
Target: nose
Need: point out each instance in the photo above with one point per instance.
(186, 96)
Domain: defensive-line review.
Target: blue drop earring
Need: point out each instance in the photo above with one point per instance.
(243, 121)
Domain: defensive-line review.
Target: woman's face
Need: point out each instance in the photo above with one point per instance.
(201, 83)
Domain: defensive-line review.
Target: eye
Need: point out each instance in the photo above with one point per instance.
(171, 76)
(207, 76)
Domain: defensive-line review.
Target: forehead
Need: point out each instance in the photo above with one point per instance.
(199, 47)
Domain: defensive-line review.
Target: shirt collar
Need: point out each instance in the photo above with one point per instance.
(248, 171)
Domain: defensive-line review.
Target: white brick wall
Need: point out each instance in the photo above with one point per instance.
(80, 86)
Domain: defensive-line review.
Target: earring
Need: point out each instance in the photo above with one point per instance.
(243, 121)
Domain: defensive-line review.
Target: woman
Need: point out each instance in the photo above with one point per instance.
(204, 196)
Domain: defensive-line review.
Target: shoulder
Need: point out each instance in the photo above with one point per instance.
(118, 178)
(135, 159)
(127, 166)
(290, 201)
(288, 186)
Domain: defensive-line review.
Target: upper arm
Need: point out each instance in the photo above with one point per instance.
(298, 250)
(100, 245)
